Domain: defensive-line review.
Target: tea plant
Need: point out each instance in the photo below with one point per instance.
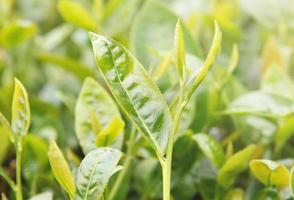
(189, 99)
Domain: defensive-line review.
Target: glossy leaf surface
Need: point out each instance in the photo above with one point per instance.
(134, 90)
(95, 171)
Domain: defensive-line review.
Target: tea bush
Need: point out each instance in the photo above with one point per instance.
(146, 99)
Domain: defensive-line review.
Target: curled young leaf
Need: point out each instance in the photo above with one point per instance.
(179, 46)
(134, 90)
(61, 169)
(95, 171)
(235, 165)
(270, 172)
(211, 148)
(94, 110)
(209, 61)
(21, 114)
(109, 134)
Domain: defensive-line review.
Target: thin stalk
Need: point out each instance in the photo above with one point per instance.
(18, 174)
(126, 165)
(167, 162)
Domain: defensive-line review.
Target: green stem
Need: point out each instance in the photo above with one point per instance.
(126, 165)
(18, 173)
(167, 162)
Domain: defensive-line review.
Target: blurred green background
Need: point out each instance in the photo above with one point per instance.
(45, 44)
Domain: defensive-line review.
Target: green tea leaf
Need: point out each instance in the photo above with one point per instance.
(61, 170)
(94, 106)
(21, 114)
(270, 172)
(209, 61)
(109, 134)
(95, 171)
(235, 165)
(261, 104)
(179, 45)
(17, 32)
(134, 90)
(3, 196)
(75, 13)
(211, 148)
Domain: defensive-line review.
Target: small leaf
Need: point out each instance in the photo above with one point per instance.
(179, 46)
(21, 115)
(109, 134)
(95, 171)
(94, 108)
(75, 13)
(211, 148)
(270, 172)
(134, 90)
(209, 61)
(233, 60)
(17, 32)
(235, 165)
(61, 169)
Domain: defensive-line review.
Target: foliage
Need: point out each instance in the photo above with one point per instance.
(146, 99)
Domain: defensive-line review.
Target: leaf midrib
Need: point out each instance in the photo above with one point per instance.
(137, 112)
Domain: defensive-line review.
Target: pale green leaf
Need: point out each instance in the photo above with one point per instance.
(17, 32)
(109, 134)
(209, 61)
(270, 173)
(94, 108)
(95, 171)
(261, 104)
(21, 114)
(179, 46)
(61, 169)
(75, 13)
(211, 148)
(235, 165)
(134, 90)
